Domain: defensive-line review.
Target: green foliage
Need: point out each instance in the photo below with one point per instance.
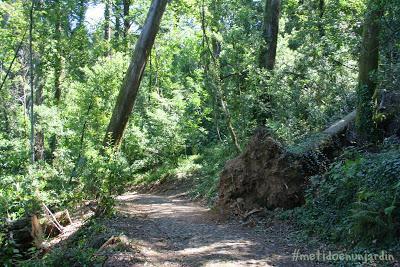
(357, 200)
(185, 168)
(212, 161)
(179, 128)
(103, 176)
(81, 248)
(200, 171)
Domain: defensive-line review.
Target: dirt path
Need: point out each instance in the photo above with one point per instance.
(171, 231)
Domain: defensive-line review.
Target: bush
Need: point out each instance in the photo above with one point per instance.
(212, 161)
(357, 201)
(103, 176)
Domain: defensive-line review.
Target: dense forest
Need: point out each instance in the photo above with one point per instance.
(287, 110)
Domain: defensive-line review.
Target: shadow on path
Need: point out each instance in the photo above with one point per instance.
(169, 231)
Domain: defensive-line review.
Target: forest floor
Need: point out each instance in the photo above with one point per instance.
(171, 230)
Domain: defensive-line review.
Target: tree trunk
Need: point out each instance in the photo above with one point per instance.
(270, 34)
(133, 77)
(127, 22)
(39, 84)
(39, 137)
(107, 29)
(31, 77)
(321, 8)
(58, 68)
(220, 95)
(117, 15)
(368, 67)
(57, 56)
(212, 79)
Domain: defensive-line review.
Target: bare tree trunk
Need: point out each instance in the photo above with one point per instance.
(58, 68)
(39, 85)
(39, 136)
(133, 77)
(205, 45)
(107, 29)
(270, 33)
(321, 8)
(368, 66)
(31, 82)
(127, 23)
(57, 57)
(117, 15)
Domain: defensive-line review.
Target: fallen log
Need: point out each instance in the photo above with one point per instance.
(31, 230)
(267, 174)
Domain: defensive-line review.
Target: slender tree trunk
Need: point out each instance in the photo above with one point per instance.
(58, 67)
(220, 95)
(321, 8)
(107, 29)
(212, 77)
(39, 137)
(270, 33)
(57, 56)
(127, 23)
(368, 67)
(206, 48)
(31, 81)
(228, 117)
(39, 84)
(117, 15)
(133, 77)
(26, 112)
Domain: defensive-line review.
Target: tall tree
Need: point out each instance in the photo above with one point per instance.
(270, 33)
(57, 56)
(39, 81)
(31, 79)
(57, 62)
(133, 77)
(368, 67)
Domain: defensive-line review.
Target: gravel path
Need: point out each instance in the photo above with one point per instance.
(171, 231)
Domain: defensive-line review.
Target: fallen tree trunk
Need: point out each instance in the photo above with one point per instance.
(30, 231)
(269, 175)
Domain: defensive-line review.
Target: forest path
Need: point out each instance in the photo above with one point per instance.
(171, 231)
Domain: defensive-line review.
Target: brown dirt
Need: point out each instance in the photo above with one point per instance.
(264, 175)
(268, 174)
(164, 230)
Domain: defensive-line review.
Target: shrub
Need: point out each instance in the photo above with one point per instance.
(357, 201)
(103, 176)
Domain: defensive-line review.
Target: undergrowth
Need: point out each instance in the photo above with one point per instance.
(82, 248)
(356, 203)
(202, 170)
(212, 162)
